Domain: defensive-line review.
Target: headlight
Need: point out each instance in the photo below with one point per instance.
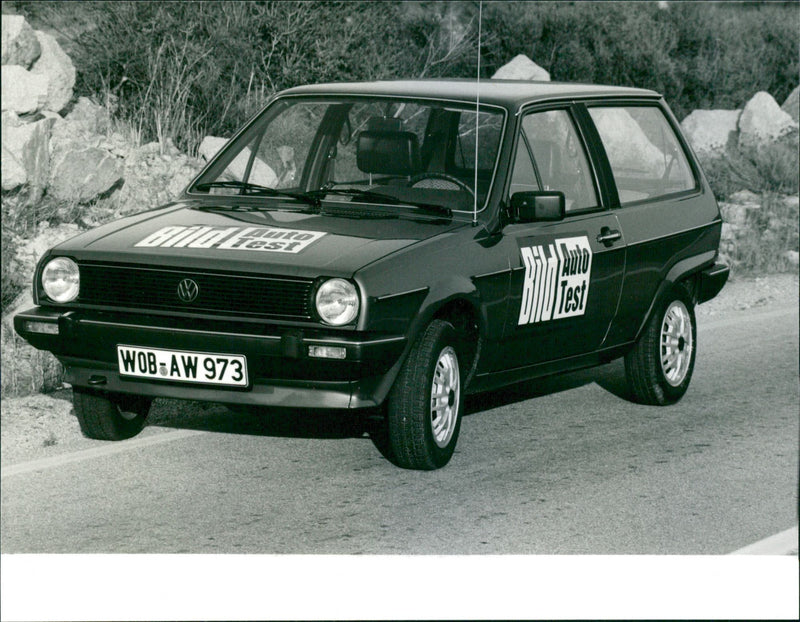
(337, 302)
(61, 280)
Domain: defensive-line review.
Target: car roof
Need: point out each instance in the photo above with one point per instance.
(507, 93)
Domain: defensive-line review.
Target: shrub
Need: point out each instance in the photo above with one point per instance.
(185, 69)
(772, 168)
(11, 288)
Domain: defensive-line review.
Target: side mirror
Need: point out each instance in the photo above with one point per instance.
(537, 206)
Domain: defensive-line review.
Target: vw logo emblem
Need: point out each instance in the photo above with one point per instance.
(188, 290)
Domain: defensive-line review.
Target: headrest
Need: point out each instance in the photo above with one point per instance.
(388, 152)
(384, 124)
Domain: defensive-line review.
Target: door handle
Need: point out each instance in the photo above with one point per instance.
(608, 236)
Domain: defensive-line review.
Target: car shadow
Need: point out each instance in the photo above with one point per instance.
(341, 424)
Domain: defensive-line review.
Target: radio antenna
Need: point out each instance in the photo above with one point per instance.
(477, 115)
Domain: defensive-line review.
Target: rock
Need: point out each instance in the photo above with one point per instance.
(792, 258)
(57, 67)
(521, 68)
(22, 91)
(729, 232)
(762, 121)
(262, 172)
(91, 118)
(28, 144)
(82, 173)
(733, 214)
(626, 138)
(711, 131)
(153, 178)
(28, 251)
(13, 172)
(19, 43)
(211, 146)
(792, 104)
(746, 197)
(81, 165)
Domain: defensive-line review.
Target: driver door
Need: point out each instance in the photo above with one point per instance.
(566, 276)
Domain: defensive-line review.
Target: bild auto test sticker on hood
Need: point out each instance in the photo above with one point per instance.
(556, 281)
(268, 239)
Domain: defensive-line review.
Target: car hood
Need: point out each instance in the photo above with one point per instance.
(204, 235)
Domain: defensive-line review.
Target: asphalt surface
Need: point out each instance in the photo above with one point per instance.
(567, 466)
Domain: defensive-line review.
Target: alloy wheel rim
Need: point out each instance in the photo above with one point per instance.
(445, 397)
(677, 343)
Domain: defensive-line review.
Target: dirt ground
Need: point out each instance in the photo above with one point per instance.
(39, 425)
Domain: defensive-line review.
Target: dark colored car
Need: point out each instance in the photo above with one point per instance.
(393, 246)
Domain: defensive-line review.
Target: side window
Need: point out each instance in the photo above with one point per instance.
(559, 157)
(523, 177)
(645, 155)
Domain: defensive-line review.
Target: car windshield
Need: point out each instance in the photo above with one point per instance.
(359, 150)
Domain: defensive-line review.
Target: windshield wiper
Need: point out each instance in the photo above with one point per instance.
(248, 188)
(379, 197)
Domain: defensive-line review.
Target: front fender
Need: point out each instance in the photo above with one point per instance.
(454, 289)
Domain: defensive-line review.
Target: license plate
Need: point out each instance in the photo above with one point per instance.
(182, 366)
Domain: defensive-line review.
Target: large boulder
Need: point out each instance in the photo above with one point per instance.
(262, 173)
(210, 146)
(762, 121)
(82, 164)
(792, 104)
(154, 174)
(88, 117)
(627, 140)
(710, 132)
(28, 145)
(57, 67)
(13, 172)
(521, 68)
(22, 91)
(82, 173)
(19, 43)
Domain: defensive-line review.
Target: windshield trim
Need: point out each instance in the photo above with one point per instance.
(338, 96)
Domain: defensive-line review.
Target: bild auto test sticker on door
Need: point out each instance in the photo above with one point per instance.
(556, 281)
(268, 239)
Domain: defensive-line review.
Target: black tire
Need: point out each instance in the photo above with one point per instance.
(420, 436)
(659, 368)
(108, 416)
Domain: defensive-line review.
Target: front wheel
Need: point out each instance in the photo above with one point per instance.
(108, 416)
(425, 405)
(660, 366)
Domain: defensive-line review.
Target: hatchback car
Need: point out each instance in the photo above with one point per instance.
(395, 246)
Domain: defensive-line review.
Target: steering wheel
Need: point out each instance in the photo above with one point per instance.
(417, 180)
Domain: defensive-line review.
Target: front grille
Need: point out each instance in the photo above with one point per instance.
(218, 293)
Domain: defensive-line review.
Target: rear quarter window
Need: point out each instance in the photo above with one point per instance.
(646, 158)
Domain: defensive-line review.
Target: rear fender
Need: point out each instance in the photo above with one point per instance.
(687, 272)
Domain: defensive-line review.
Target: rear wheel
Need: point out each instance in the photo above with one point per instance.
(425, 405)
(109, 416)
(660, 366)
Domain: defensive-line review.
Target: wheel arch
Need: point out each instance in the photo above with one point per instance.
(458, 304)
(686, 272)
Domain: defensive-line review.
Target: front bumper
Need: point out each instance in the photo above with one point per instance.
(280, 369)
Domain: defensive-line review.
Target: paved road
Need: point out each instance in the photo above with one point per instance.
(569, 467)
